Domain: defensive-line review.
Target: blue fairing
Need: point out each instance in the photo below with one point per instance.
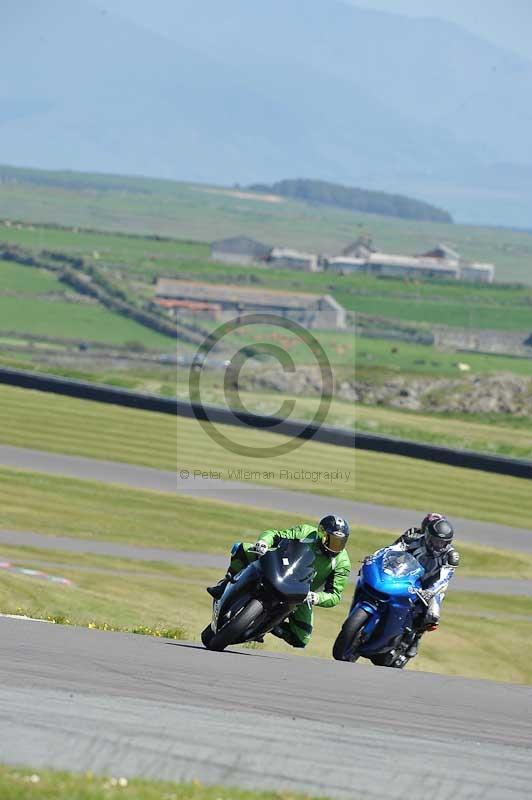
(385, 590)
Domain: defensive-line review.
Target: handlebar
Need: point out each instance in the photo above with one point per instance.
(424, 595)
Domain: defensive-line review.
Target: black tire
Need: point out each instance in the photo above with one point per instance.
(206, 635)
(346, 639)
(236, 627)
(380, 660)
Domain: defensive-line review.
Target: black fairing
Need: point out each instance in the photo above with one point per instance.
(289, 570)
(280, 580)
(245, 582)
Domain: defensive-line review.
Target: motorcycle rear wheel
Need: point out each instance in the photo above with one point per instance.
(346, 639)
(234, 630)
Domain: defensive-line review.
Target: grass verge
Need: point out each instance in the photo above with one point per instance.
(502, 434)
(78, 427)
(172, 607)
(18, 783)
(88, 510)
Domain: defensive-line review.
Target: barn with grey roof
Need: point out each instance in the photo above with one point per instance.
(310, 310)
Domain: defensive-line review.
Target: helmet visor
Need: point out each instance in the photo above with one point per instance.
(334, 542)
(436, 543)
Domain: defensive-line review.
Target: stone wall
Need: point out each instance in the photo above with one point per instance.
(511, 343)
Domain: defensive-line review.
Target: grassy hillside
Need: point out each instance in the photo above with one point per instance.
(203, 213)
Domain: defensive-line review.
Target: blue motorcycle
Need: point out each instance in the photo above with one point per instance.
(380, 625)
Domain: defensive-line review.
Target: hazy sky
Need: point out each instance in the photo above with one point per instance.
(506, 22)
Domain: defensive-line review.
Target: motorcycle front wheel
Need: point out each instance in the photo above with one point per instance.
(346, 640)
(206, 635)
(234, 630)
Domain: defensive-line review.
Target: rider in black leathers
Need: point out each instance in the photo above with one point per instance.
(432, 545)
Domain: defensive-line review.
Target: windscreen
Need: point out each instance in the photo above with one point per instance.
(399, 564)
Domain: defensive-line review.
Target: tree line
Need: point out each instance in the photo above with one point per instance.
(353, 199)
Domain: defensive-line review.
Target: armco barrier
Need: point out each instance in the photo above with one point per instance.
(342, 437)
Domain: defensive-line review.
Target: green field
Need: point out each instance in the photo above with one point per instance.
(14, 278)
(375, 355)
(49, 422)
(75, 321)
(22, 783)
(23, 310)
(376, 359)
(204, 213)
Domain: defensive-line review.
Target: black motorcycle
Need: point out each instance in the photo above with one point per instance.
(261, 595)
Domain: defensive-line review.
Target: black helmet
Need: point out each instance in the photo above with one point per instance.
(438, 532)
(335, 533)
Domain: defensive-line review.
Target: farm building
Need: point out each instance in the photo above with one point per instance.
(361, 248)
(392, 265)
(310, 310)
(471, 271)
(439, 263)
(442, 252)
(282, 258)
(346, 265)
(186, 307)
(477, 272)
(240, 250)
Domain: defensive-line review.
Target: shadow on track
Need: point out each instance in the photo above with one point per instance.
(225, 652)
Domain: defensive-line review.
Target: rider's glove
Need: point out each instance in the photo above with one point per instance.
(312, 598)
(426, 595)
(261, 547)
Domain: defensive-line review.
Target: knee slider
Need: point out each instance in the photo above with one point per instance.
(453, 559)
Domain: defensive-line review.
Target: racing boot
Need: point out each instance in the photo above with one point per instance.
(218, 589)
(413, 648)
(281, 632)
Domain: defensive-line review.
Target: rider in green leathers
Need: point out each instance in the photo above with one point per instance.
(331, 564)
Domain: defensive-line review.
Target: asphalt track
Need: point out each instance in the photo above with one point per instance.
(132, 705)
(311, 506)
(499, 586)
